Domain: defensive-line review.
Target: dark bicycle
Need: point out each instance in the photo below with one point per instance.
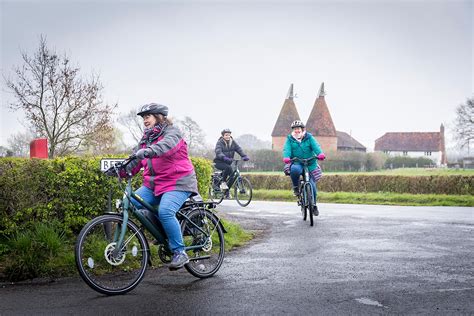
(306, 195)
(112, 251)
(242, 186)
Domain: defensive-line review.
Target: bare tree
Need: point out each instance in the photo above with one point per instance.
(19, 144)
(464, 124)
(105, 141)
(193, 134)
(133, 123)
(5, 152)
(249, 141)
(58, 103)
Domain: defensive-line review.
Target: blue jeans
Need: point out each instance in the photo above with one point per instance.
(169, 203)
(295, 172)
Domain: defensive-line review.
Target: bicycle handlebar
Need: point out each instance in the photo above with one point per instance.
(120, 165)
(296, 159)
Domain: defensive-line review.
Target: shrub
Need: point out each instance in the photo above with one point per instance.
(38, 252)
(71, 190)
(408, 162)
(454, 184)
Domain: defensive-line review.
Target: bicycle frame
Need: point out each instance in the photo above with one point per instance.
(233, 176)
(306, 180)
(157, 232)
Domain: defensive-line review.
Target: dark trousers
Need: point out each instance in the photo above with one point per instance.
(226, 169)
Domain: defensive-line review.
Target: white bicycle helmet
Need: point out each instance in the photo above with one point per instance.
(297, 123)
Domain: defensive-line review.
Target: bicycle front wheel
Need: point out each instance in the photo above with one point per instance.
(309, 202)
(204, 238)
(243, 191)
(102, 266)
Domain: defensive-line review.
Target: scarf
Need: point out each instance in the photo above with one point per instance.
(303, 133)
(152, 133)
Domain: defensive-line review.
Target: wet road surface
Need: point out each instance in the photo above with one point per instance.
(357, 259)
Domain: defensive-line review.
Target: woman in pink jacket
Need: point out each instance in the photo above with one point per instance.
(168, 176)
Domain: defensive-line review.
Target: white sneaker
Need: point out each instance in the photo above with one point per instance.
(224, 186)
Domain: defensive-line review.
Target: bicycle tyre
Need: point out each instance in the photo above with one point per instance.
(96, 263)
(302, 200)
(214, 195)
(243, 191)
(309, 200)
(204, 262)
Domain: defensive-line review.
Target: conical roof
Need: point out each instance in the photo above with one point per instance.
(288, 114)
(320, 122)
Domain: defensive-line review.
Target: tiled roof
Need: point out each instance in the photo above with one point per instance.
(288, 114)
(320, 122)
(344, 140)
(414, 141)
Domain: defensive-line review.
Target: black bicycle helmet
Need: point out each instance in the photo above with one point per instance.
(297, 123)
(153, 108)
(225, 130)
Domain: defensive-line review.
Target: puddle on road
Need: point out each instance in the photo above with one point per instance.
(291, 223)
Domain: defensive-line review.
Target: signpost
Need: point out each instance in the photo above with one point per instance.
(106, 163)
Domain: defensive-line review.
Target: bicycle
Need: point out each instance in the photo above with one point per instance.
(242, 186)
(112, 252)
(306, 195)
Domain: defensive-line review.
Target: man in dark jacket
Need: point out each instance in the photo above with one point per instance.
(225, 150)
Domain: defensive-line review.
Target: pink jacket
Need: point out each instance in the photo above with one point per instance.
(170, 168)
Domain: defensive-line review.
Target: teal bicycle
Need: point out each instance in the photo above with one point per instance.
(112, 250)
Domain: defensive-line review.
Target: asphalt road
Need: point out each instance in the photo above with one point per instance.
(357, 259)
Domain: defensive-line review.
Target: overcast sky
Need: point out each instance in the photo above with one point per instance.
(388, 66)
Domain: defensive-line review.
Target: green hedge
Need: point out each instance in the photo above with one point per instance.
(71, 190)
(459, 185)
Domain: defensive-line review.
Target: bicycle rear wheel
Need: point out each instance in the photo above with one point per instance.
(202, 230)
(243, 191)
(105, 270)
(309, 202)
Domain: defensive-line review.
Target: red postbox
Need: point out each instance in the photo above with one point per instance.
(39, 148)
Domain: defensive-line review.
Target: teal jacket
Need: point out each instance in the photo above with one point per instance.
(307, 148)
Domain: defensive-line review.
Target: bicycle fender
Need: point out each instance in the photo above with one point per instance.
(220, 223)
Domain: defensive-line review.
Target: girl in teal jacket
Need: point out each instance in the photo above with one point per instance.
(303, 145)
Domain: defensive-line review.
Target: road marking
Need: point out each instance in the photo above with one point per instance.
(368, 301)
(453, 290)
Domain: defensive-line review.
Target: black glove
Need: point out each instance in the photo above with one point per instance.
(144, 153)
(111, 172)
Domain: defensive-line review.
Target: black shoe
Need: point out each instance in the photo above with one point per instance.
(227, 194)
(315, 210)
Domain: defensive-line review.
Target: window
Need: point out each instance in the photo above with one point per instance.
(405, 153)
(427, 153)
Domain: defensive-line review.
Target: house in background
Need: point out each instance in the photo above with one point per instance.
(346, 142)
(319, 124)
(414, 144)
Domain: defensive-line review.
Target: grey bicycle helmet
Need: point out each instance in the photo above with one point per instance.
(225, 130)
(153, 108)
(297, 123)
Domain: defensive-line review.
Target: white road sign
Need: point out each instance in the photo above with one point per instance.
(106, 163)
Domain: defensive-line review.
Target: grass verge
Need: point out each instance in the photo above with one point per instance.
(382, 198)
